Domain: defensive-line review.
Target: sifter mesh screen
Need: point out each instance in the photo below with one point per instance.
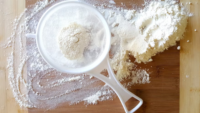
(60, 16)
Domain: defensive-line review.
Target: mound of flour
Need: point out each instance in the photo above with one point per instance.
(153, 29)
(72, 41)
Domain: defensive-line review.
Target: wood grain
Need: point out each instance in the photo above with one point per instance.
(9, 10)
(160, 96)
(190, 62)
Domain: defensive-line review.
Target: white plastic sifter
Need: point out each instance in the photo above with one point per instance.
(95, 60)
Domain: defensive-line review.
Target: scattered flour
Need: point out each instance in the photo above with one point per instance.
(129, 14)
(73, 40)
(43, 85)
(60, 82)
(93, 98)
(103, 94)
(121, 64)
(36, 84)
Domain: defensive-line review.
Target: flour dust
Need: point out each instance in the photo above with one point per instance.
(35, 84)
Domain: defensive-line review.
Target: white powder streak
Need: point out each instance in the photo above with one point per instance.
(93, 98)
(60, 82)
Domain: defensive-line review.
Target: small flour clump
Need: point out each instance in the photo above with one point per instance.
(73, 40)
(121, 64)
(125, 69)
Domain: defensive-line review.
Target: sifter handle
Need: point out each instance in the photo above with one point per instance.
(123, 94)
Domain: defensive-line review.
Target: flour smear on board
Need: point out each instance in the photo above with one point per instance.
(35, 84)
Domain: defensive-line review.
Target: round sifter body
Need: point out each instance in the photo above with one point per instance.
(60, 16)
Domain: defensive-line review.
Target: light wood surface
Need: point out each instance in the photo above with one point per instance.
(9, 10)
(160, 96)
(190, 63)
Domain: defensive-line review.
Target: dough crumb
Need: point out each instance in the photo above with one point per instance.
(179, 47)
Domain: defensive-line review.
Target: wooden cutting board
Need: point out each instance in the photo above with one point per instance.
(170, 91)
